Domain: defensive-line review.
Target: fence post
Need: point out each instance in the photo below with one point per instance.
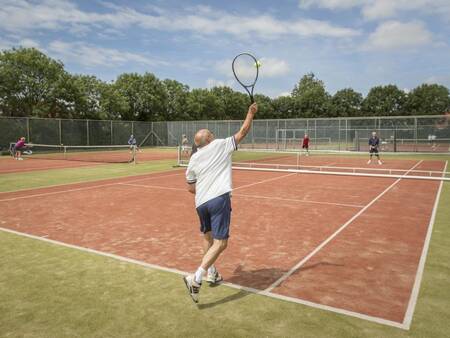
(87, 132)
(415, 134)
(60, 132)
(111, 133)
(267, 133)
(28, 130)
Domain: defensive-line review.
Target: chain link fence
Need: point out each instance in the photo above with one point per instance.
(397, 134)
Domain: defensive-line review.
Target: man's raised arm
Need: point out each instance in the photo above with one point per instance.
(239, 136)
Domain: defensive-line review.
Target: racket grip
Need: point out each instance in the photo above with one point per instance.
(252, 100)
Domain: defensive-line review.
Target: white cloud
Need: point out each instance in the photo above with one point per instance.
(270, 67)
(91, 56)
(284, 94)
(29, 43)
(22, 15)
(382, 9)
(395, 35)
(210, 83)
(330, 4)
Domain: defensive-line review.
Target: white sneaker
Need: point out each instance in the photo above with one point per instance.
(193, 287)
(379, 162)
(369, 161)
(20, 159)
(214, 277)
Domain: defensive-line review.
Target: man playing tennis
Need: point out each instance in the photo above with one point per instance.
(209, 177)
(374, 143)
(305, 144)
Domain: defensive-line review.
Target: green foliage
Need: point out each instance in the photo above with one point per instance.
(310, 97)
(346, 102)
(32, 84)
(428, 99)
(384, 100)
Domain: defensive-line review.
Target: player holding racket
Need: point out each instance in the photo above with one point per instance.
(209, 177)
(374, 143)
(305, 144)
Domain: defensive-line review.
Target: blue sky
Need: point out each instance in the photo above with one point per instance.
(346, 43)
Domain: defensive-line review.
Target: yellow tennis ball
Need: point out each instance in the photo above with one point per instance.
(257, 64)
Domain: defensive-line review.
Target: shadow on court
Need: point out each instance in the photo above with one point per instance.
(230, 298)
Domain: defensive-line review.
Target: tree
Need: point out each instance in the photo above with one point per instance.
(428, 99)
(310, 97)
(283, 107)
(30, 83)
(233, 104)
(145, 96)
(346, 102)
(385, 101)
(177, 95)
(265, 107)
(202, 104)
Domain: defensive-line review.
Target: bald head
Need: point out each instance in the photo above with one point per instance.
(203, 137)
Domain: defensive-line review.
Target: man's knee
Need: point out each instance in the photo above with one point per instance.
(222, 244)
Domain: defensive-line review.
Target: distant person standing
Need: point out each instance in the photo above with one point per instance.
(18, 148)
(132, 142)
(185, 145)
(374, 143)
(305, 144)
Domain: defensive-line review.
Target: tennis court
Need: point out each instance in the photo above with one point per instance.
(45, 157)
(354, 245)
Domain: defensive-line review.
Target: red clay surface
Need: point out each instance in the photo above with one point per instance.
(277, 220)
(9, 165)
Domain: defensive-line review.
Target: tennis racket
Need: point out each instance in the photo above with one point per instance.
(246, 70)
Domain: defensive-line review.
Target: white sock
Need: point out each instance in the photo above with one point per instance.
(199, 275)
(212, 269)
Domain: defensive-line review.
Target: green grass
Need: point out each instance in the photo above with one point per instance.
(48, 290)
(42, 178)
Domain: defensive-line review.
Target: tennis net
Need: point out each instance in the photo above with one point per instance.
(100, 154)
(336, 163)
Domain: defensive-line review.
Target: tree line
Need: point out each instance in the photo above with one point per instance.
(33, 84)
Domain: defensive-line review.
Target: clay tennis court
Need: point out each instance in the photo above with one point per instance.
(9, 165)
(353, 245)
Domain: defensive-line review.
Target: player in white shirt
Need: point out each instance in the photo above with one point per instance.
(209, 177)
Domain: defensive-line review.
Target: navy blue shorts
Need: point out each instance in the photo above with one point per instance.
(215, 216)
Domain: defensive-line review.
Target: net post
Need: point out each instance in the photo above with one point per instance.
(178, 155)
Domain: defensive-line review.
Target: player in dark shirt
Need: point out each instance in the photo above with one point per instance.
(305, 144)
(374, 143)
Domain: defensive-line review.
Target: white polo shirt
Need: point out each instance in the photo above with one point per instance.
(210, 169)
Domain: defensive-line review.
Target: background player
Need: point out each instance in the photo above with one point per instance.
(185, 145)
(18, 148)
(132, 142)
(305, 144)
(374, 143)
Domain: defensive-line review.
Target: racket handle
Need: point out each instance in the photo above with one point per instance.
(252, 100)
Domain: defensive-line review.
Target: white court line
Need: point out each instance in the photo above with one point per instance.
(299, 201)
(91, 181)
(332, 236)
(232, 285)
(250, 196)
(153, 186)
(419, 274)
(77, 189)
(264, 181)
